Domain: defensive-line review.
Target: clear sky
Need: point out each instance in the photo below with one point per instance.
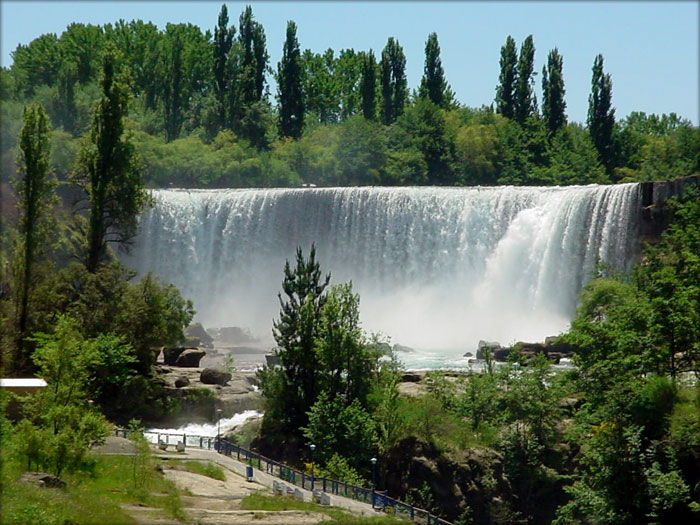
(651, 49)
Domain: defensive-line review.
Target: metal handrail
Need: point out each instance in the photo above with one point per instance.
(298, 477)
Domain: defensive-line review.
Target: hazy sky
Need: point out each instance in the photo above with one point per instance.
(650, 48)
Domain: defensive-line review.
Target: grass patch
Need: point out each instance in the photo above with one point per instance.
(205, 469)
(335, 514)
(88, 499)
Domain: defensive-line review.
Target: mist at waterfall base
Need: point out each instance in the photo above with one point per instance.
(437, 269)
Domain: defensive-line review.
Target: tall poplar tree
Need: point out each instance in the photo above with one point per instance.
(173, 83)
(393, 80)
(553, 103)
(108, 171)
(289, 86)
(368, 86)
(67, 79)
(525, 101)
(223, 40)
(505, 91)
(433, 84)
(254, 58)
(601, 114)
(35, 189)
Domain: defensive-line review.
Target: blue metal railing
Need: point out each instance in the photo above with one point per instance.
(298, 477)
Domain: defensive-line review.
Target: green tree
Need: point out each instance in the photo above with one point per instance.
(291, 390)
(433, 85)
(394, 86)
(368, 87)
(347, 362)
(525, 101)
(348, 73)
(553, 103)
(67, 110)
(321, 89)
(505, 91)
(107, 170)
(423, 127)
(361, 152)
(60, 425)
(254, 58)
(601, 115)
(289, 86)
(36, 194)
(223, 40)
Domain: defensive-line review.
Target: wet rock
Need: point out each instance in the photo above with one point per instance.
(209, 376)
(190, 358)
(182, 381)
(411, 377)
(171, 353)
(484, 346)
(196, 330)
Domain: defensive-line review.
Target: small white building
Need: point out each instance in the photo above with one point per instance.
(22, 385)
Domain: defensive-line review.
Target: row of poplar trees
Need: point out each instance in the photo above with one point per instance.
(515, 97)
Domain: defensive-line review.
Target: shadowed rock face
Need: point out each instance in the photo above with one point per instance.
(473, 477)
(190, 358)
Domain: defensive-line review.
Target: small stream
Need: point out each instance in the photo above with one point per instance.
(196, 430)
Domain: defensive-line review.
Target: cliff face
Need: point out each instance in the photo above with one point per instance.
(654, 196)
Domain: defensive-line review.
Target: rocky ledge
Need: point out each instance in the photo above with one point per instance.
(199, 400)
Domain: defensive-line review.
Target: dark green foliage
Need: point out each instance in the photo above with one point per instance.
(505, 91)
(67, 110)
(553, 104)
(525, 102)
(36, 63)
(361, 152)
(601, 114)
(433, 85)
(369, 86)
(289, 86)
(394, 86)
(108, 172)
(35, 191)
(422, 128)
(291, 390)
(223, 40)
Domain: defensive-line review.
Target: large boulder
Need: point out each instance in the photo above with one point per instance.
(190, 358)
(42, 479)
(171, 353)
(209, 376)
(197, 331)
(491, 346)
(182, 381)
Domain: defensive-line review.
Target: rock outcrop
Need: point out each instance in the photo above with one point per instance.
(197, 331)
(42, 479)
(190, 358)
(209, 376)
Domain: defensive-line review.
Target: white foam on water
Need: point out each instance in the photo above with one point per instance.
(205, 429)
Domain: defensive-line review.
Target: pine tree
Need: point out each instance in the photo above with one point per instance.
(289, 86)
(36, 195)
(525, 102)
(433, 84)
(505, 92)
(223, 40)
(368, 86)
(108, 171)
(295, 333)
(393, 79)
(601, 114)
(553, 104)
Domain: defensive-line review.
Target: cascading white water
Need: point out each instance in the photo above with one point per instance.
(436, 268)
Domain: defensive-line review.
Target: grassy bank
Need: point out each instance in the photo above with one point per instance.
(90, 498)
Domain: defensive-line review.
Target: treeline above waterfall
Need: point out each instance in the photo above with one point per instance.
(203, 116)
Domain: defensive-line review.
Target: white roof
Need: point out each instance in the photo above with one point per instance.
(26, 382)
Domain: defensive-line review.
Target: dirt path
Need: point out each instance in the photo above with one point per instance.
(208, 501)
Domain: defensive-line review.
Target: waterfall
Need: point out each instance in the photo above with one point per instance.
(436, 268)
